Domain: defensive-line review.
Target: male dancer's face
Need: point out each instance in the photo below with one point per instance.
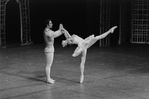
(50, 24)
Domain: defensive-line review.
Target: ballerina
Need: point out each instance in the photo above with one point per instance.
(83, 45)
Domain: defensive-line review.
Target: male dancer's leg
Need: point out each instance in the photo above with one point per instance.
(49, 59)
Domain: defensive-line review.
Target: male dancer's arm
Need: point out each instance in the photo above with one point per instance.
(58, 32)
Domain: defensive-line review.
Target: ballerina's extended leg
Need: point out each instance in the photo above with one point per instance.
(92, 40)
(89, 41)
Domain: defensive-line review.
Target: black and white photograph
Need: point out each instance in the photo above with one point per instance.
(74, 49)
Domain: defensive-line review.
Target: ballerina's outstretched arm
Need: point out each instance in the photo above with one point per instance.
(66, 34)
(71, 39)
(68, 38)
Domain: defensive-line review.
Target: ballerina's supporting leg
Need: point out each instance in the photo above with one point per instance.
(83, 59)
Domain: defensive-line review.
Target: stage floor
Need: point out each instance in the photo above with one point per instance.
(119, 72)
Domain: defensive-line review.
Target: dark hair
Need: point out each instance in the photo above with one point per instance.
(47, 21)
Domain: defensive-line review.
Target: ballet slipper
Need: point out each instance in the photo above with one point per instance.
(51, 81)
(81, 79)
(113, 28)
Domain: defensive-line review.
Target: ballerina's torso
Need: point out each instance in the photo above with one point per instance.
(77, 40)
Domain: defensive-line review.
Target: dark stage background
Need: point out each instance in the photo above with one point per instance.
(79, 17)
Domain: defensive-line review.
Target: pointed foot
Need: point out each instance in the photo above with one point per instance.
(81, 79)
(113, 28)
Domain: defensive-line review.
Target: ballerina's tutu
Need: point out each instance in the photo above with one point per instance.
(78, 51)
(86, 44)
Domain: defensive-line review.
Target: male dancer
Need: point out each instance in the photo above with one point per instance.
(83, 45)
(49, 36)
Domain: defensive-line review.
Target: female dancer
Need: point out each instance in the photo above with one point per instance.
(49, 36)
(83, 45)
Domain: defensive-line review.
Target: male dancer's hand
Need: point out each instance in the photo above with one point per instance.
(64, 31)
(61, 26)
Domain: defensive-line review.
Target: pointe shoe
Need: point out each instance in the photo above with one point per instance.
(113, 28)
(81, 79)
